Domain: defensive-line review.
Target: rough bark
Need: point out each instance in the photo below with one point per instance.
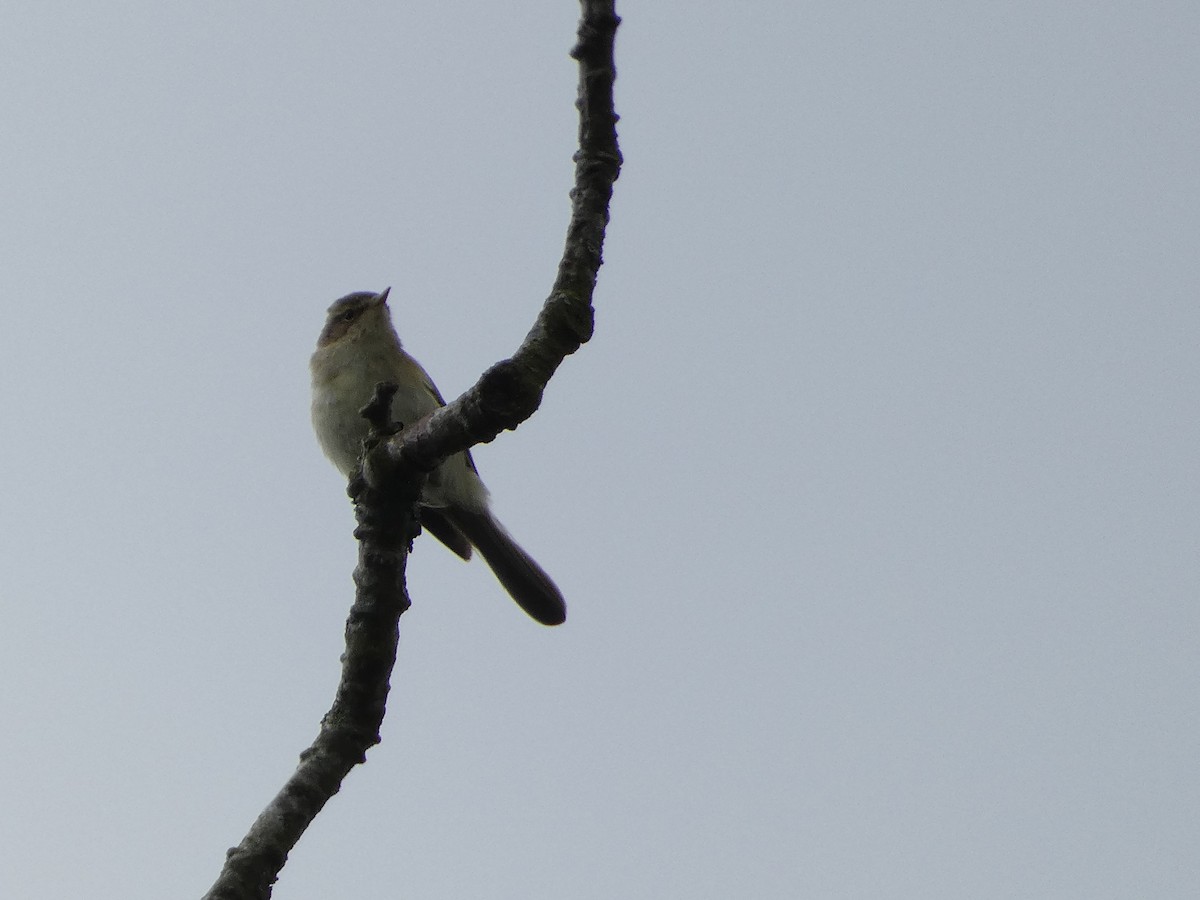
(385, 497)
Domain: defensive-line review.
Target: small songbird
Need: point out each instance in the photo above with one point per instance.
(359, 348)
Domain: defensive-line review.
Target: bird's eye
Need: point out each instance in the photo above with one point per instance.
(349, 315)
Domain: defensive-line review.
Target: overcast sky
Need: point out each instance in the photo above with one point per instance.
(874, 499)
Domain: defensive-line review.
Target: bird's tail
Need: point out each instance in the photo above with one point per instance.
(525, 581)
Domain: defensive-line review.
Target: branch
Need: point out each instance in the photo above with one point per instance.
(385, 507)
(510, 391)
(386, 497)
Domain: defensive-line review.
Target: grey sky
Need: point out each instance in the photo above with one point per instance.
(874, 498)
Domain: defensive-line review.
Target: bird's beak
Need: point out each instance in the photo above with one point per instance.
(383, 295)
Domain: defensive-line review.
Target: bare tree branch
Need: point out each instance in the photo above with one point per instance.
(386, 497)
(510, 391)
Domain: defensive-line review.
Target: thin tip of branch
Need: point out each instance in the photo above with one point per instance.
(379, 411)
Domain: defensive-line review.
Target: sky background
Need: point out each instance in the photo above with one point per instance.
(874, 498)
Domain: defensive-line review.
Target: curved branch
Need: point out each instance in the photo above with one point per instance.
(386, 498)
(387, 524)
(510, 391)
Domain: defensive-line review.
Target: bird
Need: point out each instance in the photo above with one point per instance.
(359, 348)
